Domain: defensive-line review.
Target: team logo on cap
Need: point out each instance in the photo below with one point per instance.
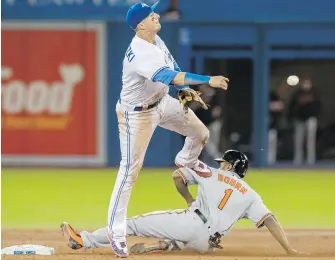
(143, 4)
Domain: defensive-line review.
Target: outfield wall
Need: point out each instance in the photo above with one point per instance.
(62, 64)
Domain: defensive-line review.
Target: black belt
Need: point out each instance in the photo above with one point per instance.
(214, 238)
(147, 107)
(201, 216)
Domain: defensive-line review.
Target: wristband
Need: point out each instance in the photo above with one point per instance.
(195, 79)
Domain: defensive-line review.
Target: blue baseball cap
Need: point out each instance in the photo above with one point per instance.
(138, 12)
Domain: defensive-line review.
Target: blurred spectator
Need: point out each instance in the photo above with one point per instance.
(173, 12)
(276, 107)
(303, 111)
(212, 119)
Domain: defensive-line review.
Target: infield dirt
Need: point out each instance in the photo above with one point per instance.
(238, 245)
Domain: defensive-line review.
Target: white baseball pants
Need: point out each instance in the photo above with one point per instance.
(135, 130)
(182, 226)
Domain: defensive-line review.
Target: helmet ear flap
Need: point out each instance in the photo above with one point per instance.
(243, 167)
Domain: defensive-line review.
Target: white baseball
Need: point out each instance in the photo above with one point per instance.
(292, 80)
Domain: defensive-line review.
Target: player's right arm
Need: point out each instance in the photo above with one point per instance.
(186, 78)
(182, 178)
(151, 65)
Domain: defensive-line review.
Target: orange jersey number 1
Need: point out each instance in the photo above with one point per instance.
(225, 198)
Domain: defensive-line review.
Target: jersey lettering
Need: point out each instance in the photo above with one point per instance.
(130, 54)
(233, 183)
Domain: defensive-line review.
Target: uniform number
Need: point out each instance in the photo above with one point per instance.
(225, 198)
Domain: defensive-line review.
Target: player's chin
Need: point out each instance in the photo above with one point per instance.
(158, 27)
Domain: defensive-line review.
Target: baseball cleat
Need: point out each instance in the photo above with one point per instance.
(75, 240)
(141, 248)
(119, 248)
(138, 248)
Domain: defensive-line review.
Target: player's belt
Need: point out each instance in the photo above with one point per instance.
(139, 108)
(147, 107)
(201, 216)
(215, 239)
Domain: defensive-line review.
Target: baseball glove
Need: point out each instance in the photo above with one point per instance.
(215, 240)
(186, 95)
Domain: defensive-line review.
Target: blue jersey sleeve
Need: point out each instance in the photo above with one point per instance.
(165, 75)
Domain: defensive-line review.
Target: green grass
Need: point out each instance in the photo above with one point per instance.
(43, 198)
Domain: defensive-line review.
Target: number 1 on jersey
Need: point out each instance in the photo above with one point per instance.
(225, 198)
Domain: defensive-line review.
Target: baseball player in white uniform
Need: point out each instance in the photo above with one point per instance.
(148, 71)
(223, 198)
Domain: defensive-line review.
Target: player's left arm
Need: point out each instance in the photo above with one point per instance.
(175, 65)
(182, 179)
(177, 68)
(262, 216)
(278, 233)
(176, 77)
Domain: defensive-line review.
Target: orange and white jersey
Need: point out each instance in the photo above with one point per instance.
(224, 198)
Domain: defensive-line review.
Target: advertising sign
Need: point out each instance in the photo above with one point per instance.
(52, 93)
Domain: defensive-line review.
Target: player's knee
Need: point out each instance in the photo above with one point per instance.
(133, 164)
(133, 171)
(136, 167)
(204, 136)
